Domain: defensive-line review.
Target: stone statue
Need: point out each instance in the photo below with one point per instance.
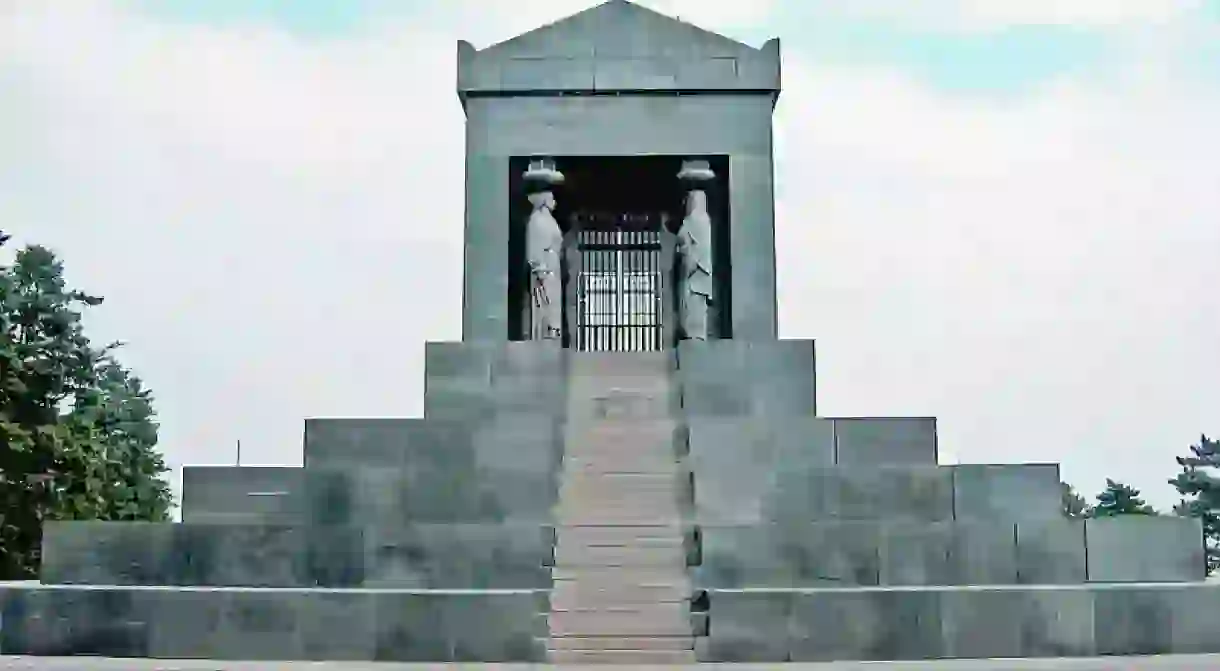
(694, 245)
(543, 246)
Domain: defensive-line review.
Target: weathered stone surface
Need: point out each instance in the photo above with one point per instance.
(387, 497)
(885, 441)
(459, 556)
(142, 553)
(866, 625)
(243, 624)
(476, 380)
(1008, 492)
(517, 441)
(1145, 548)
(744, 378)
(1051, 551)
(242, 494)
(748, 627)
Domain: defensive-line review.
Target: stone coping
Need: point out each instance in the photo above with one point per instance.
(1162, 662)
(1079, 587)
(32, 584)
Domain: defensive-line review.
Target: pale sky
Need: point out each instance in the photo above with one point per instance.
(1005, 213)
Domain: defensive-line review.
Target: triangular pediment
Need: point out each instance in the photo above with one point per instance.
(617, 29)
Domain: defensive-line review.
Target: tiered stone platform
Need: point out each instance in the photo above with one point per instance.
(645, 507)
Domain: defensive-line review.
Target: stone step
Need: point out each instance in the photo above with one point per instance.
(621, 643)
(593, 517)
(566, 543)
(575, 494)
(620, 534)
(575, 465)
(635, 482)
(572, 595)
(610, 577)
(567, 555)
(664, 506)
(655, 620)
(610, 363)
(621, 656)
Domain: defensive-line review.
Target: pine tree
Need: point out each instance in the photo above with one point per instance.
(1199, 483)
(1120, 499)
(77, 436)
(1074, 504)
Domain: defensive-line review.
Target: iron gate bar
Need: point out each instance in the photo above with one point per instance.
(619, 290)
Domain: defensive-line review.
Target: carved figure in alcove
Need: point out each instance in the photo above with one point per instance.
(543, 248)
(694, 246)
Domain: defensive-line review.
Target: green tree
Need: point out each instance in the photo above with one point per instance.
(1074, 504)
(77, 430)
(1120, 499)
(1199, 484)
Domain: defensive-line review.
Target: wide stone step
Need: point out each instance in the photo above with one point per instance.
(661, 506)
(620, 534)
(621, 656)
(609, 576)
(670, 643)
(567, 555)
(575, 465)
(656, 620)
(630, 482)
(576, 596)
(576, 497)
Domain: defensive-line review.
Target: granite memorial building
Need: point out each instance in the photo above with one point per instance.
(620, 461)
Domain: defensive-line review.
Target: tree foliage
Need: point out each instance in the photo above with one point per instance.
(1073, 503)
(1200, 485)
(1120, 499)
(77, 431)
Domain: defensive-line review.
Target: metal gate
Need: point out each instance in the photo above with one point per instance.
(620, 282)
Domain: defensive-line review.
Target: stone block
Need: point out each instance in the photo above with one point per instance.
(517, 441)
(389, 497)
(776, 556)
(337, 625)
(1144, 548)
(1007, 492)
(459, 556)
(493, 627)
(747, 377)
(887, 493)
(1132, 621)
(258, 625)
(914, 493)
(1194, 616)
(915, 554)
(47, 621)
(1057, 622)
(411, 627)
(106, 553)
(458, 359)
(983, 553)
(1051, 551)
(884, 624)
(885, 441)
(472, 380)
(749, 626)
(242, 494)
(982, 623)
(734, 463)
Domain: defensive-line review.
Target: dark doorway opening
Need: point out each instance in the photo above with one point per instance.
(619, 216)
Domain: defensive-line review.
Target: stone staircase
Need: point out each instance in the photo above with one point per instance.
(621, 590)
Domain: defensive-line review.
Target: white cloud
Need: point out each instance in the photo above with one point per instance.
(276, 222)
(987, 15)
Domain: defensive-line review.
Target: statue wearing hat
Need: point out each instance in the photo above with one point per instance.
(543, 249)
(694, 245)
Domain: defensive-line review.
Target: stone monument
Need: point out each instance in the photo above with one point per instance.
(626, 491)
